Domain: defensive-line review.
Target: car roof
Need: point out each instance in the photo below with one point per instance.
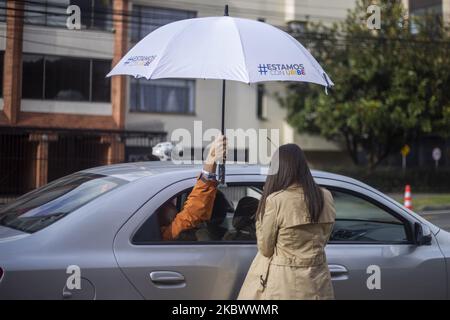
(135, 170)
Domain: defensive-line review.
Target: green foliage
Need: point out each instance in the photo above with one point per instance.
(388, 179)
(391, 85)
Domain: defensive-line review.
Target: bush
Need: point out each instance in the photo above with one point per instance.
(394, 179)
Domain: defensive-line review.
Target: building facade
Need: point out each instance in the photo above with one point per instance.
(59, 114)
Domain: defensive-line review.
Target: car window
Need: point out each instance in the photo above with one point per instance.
(358, 220)
(44, 206)
(232, 218)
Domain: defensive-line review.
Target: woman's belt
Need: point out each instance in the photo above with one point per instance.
(314, 260)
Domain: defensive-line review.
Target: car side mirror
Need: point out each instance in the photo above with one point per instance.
(422, 234)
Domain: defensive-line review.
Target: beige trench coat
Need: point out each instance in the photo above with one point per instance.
(291, 261)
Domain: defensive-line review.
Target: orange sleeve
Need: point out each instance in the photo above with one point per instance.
(197, 208)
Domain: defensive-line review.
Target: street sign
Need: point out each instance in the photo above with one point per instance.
(405, 150)
(436, 154)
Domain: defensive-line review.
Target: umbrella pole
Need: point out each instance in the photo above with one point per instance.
(223, 107)
(222, 164)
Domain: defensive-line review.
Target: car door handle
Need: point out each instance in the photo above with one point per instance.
(338, 272)
(166, 277)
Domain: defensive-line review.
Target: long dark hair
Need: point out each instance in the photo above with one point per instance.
(289, 167)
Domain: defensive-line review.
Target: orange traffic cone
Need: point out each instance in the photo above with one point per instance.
(408, 200)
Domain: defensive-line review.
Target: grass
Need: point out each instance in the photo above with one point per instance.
(426, 200)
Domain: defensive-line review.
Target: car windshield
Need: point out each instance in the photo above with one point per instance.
(42, 207)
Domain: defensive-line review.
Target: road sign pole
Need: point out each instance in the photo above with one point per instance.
(404, 152)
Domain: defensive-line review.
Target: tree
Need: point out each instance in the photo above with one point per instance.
(391, 85)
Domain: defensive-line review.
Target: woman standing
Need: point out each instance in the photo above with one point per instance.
(294, 221)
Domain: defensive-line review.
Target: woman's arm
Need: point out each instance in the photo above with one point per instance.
(267, 229)
(199, 204)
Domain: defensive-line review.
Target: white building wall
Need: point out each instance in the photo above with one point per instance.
(241, 98)
(446, 10)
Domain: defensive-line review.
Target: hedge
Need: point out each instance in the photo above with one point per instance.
(395, 179)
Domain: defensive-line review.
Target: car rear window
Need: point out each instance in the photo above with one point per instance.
(44, 206)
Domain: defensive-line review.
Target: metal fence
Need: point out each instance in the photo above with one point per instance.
(31, 157)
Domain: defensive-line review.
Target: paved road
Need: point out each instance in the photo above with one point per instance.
(439, 218)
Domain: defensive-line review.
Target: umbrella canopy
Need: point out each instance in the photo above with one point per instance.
(221, 48)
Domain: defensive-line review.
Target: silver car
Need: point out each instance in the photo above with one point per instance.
(95, 235)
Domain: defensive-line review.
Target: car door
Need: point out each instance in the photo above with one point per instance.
(371, 254)
(216, 270)
(181, 269)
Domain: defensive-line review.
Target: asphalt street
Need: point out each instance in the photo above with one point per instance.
(439, 218)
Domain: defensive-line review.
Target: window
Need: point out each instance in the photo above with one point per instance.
(145, 19)
(33, 76)
(44, 206)
(358, 220)
(65, 78)
(167, 96)
(261, 102)
(95, 14)
(232, 219)
(2, 10)
(101, 15)
(421, 7)
(421, 12)
(101, 86)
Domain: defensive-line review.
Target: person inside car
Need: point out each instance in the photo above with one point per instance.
(244, 220)
(198, 206)
(213, 230)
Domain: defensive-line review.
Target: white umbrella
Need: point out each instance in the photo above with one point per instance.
(221, 48)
